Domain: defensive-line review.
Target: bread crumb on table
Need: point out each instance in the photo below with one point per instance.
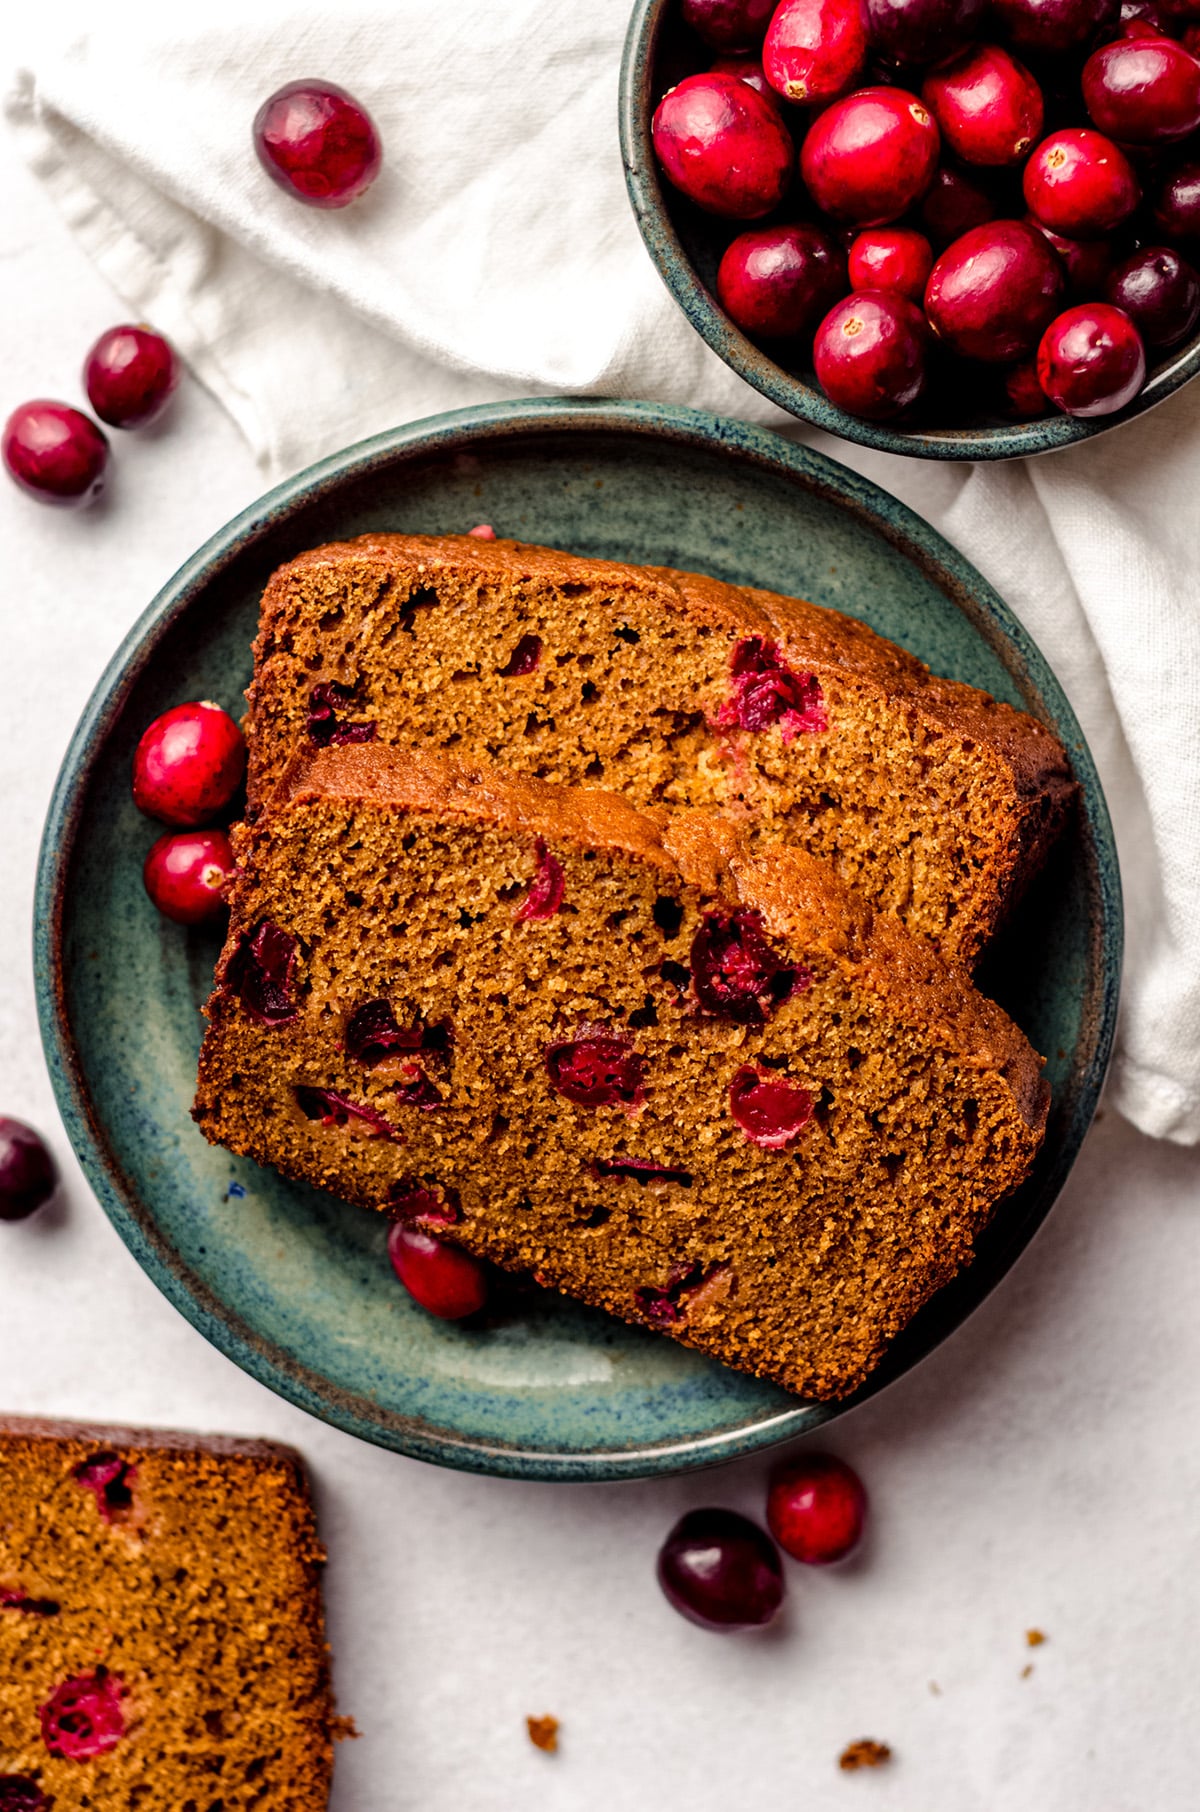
(865, 1753)
(1034, 1638)
(345, 1730)
(543, 1734)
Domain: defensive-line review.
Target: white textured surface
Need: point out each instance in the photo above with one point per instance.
(1042, 1469)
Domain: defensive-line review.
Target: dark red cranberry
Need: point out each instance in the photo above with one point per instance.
(816, 1508)
(815, 49)
(1087, 262)
(1025, 399)
(724, 145)
(373, 1035)
(545, 895)
(55, 453)
(323, 724)
(771, 1111)
(317, 142)
(1160, 292)
(83, 1718)
(110, 1479)
(27, 1173)
(992, 293)
(186, 874)
(523, 659)
(1143, 91)
(596, 1070)
(129, 375)
(766, 692)
(746, 69)
(12, 1598)
(729, 24)
(987, 105)
(1054, 27)
(20, 1794)
(1080, 184)
(776, 282)
(871, 353)
(721, 1571)
(1142, 19)
(416, 1090)
(891, 258)
(641, 1170)
(337, 1113)
(1177, 210)
(262, 972)
(450, 1283)
(736, 973)
(869, 158)
(923, 31)
(1091, 360)
(188, 764)
(952, 205)
(423, 1204)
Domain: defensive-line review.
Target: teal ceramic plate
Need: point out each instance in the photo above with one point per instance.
(295, 1286)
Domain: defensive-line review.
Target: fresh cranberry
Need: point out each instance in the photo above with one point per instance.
(1054, 27)
(596, 1070)
(766, 692)
(1080, 184)
(186, 875)
(729, 24)
(1087, 262)
(736, 973)
(776, 282)
(524, 658)
(1091, 360)
(129, 376)
(55, 453)
(721, 1571)
(1142, 19)
(992, 293)
(27, 1173)
(641, 1170)
(1024, 397)
(923, 31)
(816, 1508)
(83, 1718)
(188, 764)
(483, 531)
(987, 105)
(450, 1283)
(1143, 91)
(952, 205)
(771, 1111)
(891, 258)
(1177, 210)
(110, 1479)
(746, 69)
(815, 49)
(20, 1794)
(1160, 292)
(424, 1205)
(546, 889)
(317, 142)
(262, 972)
(869, 158)
(871, 353)
(323, 724)
(724, 145)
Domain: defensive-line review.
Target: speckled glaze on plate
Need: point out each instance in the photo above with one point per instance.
(686, 245)
(295, 1286)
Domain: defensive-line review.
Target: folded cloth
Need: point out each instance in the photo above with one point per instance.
(496, 256)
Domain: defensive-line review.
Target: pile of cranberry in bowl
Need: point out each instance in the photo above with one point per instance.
(959, 228)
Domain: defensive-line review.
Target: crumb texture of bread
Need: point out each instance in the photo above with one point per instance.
(936, 801)
(696, 1082)
(162, 1643)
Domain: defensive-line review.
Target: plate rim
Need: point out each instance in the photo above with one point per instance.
(439, 434)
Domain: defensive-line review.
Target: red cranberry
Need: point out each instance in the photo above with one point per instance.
(55, 453)
(1177, 210)
(1053, 27)
(27, 1173)
(992, 293)
(187, 873)
(735, 972)
(318, 143)
(815, 49)
(12, 1598)
(597, 1070)
(776, 282)
(373, 1035)
(129, 375)
(1091, 360)
(262, 972)
(1024, 396)
(83, 1718)
(1160, 292)
(729, 24)
(337, 1112)
(724, 145)
(1142, 19)
(545, 895)
(110, 1479)
(988, 106)
(483, 531)
(923, 31)
(870, 354)
(323, 723)
(746, 69)
(641, 1170)
(1143, 91)
(1080, 184)
(188, 764)
(953, 204)
(891, 258)
(721, 1571)
(771, 1111)
(20, 1794)
(816, 1508)
(524, 658)
(424, 1205)
(766, 691)
(1087, 262)
(450, 1283)
(870, 157)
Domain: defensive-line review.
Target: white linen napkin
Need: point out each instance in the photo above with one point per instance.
(496, 256)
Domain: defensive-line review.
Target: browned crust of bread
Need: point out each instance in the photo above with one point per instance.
(154, 1440)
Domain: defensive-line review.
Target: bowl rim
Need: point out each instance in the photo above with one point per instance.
(636, 104)
(462, 431)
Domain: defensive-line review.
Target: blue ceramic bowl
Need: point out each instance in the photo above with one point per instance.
(687, 244)
(295, 1286)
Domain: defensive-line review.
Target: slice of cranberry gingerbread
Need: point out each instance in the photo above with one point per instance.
(703, 1087)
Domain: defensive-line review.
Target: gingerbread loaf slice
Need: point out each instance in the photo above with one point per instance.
(931, 798)
(703, 1087)
(161, 1634)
